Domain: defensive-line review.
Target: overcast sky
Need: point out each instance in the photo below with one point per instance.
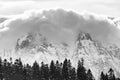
(63, 24)
(105, 7)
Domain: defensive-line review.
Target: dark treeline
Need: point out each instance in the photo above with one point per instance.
(54, 71)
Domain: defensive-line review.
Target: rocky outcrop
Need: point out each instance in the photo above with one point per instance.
(97, 57)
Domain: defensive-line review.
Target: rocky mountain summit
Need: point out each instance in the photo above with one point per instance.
(37, 46)
(97, 57)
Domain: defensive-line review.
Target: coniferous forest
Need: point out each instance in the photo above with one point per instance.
(52, 71)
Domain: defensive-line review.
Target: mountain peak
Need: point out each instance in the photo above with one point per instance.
(84, 36)
(31, 40)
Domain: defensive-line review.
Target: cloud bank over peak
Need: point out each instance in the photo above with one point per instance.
(58, 25)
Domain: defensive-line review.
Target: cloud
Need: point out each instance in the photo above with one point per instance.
(59, 25)
(106, 7)
(2, 19)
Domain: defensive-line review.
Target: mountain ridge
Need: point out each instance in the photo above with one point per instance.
(97, 57)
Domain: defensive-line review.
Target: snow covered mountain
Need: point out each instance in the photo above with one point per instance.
(36, 47)
(97, 57)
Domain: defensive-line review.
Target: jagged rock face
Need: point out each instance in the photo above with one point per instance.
(37, 46)
(84, 36)
(83, 40)
(97, 57)
(31, 40)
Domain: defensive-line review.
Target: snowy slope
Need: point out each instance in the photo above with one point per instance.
(36, 47)
(97, 57)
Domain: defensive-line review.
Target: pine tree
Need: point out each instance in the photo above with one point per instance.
(52, 70)
(72, 74)
(71, 71)
(5, 69)
(17, 70)
(111, 75)
(25, 74)
(10, 68)
(102, 76)
(1, 69)
(65, 70)
(106, 77)
(29, 70)
(81, 71)
(35, 71)
(44, 72)
(58, 71)
(89, 75)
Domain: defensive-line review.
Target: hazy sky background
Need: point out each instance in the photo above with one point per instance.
(19, 17)
(105, 7)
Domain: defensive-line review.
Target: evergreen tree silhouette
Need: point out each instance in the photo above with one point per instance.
(52, 70)
(81, 71)
(89, 75)
(111, 75)
(10, 69)
(102, 76)
(27, 72)
(71, 71)
(17, 73)
(58, 71)
(106, 77)
(72, 74)
(35, 71)
(65, 70)
(44, 72)
(6, 69)
(1, 69)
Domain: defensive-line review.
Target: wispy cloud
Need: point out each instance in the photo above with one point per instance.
(57, 24)
(106, 7)
(18, 21)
